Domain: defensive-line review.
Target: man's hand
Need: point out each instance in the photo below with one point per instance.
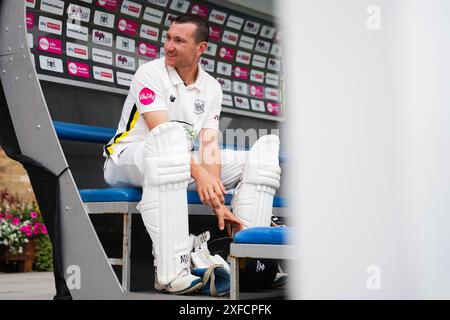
(210, 189)
(226, 218)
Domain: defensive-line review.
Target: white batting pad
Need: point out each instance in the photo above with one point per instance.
(164, 200)
(253, 197)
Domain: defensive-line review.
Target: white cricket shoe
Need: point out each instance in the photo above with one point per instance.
(185, 283)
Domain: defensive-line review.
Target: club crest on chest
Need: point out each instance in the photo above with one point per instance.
(199, 106)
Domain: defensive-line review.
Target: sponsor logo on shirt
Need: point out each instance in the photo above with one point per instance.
(146, 96)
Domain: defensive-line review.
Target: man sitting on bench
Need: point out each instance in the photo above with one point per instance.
(171, 102)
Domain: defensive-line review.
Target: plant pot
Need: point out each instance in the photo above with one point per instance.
(25, 259)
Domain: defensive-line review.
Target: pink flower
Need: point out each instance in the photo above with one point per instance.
(2, 215)
(44, 229)
(24, 229)
(8, 216)
(15, 221)
(29, 233)
(34, 215)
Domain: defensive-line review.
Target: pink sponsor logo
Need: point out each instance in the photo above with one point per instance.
(200, 10)
(226, 53)
(127, 26)
(257, 91)
(30, 20)
(107, 4)
(78, 69)
(147, 49)
(273, 108)
(146, 96)
(50, 45)
(240, 72)
(215, 33)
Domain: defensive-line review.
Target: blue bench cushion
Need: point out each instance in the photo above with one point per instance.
(264, 235)
(135, 194)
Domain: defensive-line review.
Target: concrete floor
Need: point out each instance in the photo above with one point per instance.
(27, 286)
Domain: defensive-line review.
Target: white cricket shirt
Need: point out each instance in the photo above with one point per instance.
(155, 87)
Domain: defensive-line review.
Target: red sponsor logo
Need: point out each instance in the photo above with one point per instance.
(214, 33)
(30, 20)
(53, 26)
(106, 74)
(127, 26)
(133, 9)
(80, 51)
(50, 45)
(107, 4)
(78, 69)
(147, 49)
(226, 53)
(198, 9)
(146, 96)
(240, 72)
(152, 33)
(232, 37)
(257, 91)
(273, 108)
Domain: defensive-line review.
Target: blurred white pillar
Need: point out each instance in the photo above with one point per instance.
(369, 126)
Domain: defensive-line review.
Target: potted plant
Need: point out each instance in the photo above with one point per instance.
(21, 226)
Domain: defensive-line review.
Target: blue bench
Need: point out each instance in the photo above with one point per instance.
(259, 242)
(124, 200)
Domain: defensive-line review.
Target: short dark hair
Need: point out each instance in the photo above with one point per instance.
(202, 32)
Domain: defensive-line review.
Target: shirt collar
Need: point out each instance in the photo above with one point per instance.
(176, 79)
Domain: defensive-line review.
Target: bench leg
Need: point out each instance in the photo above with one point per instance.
(126, 252)
(234, 285)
